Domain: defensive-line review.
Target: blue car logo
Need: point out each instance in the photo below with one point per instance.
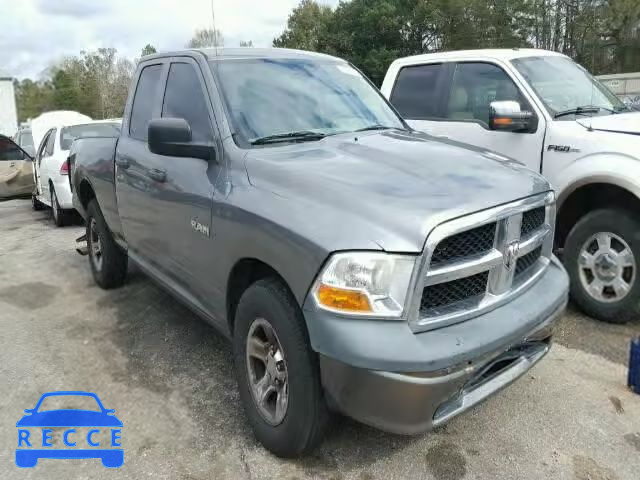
(35, 433)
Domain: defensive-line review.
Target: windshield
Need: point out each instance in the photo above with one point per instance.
(66, 402)
(563, 85)
(267, 97)
(69, 134)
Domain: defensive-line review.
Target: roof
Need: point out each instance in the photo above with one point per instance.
(495, 54)
(249, 52)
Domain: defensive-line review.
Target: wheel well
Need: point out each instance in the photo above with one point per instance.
(245, 273)
(588, 198)
(85, 193)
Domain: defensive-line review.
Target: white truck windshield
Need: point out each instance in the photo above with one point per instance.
(565, 86)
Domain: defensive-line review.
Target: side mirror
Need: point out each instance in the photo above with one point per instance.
(507, 116)
(172, 137)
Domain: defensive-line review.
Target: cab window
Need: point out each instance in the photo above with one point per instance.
(418, 91)
(144, 101)
(184, 98)
(475, 86)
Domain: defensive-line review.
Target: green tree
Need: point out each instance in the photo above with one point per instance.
(206, 38)
(306, 27)
(246, 43)
(148, 50)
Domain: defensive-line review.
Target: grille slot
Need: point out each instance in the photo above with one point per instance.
(454, 291)
(476, 241)
(532, 220)
(525, 262)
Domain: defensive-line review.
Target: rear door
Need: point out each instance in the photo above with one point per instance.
(141, 209)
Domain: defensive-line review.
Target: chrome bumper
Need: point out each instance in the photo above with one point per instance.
(411, 403)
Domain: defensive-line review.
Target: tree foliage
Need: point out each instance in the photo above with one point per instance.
(603, 35)
(148, 50)
(94, 83)
(206, 38)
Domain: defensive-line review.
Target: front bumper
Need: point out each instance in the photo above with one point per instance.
(384, 375)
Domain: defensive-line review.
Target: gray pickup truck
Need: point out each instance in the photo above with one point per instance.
(356, 265)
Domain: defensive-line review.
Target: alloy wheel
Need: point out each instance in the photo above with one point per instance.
(607, 267)
(267, 372)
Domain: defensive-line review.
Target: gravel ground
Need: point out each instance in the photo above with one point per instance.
(169, 378)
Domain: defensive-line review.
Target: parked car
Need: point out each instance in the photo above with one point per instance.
(24, 139)
(16, 179)
(51, 168)
(550, 114)
(354, 263)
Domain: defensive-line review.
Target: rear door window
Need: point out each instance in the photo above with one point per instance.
(144, 101)
(418, 91)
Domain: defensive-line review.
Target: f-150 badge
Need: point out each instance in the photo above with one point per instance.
(200, 227)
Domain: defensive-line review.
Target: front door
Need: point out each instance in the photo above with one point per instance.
(189, 185)
(15, 170)
(460, 110)
(45, 150)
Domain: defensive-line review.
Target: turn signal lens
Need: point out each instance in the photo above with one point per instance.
(340, 299)
(502, 121)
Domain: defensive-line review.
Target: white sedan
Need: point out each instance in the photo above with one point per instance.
(51, 168)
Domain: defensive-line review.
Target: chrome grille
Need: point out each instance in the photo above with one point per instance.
(532, 220)
(482, 260)
(454, 291)
(472, 242)
(527, 261)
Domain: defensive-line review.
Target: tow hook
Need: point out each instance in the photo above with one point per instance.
(83, 249)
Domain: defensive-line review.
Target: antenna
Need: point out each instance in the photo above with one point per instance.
(215, 30)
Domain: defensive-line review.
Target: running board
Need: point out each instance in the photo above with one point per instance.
(83, 250)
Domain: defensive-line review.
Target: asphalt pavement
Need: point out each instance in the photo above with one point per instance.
(169, 377)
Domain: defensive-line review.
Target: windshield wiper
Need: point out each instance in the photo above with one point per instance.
(301, 136)
(582, 110)
(377, 127)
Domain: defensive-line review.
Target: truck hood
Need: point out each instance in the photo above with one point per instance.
(618, 123)
(390, 188)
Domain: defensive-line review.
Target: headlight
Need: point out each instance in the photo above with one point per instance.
(365, 283)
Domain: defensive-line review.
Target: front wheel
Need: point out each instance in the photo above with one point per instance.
(278, 373)
(602, 256)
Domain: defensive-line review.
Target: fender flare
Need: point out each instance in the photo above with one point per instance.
(611, 168)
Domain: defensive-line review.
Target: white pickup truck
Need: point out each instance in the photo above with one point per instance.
(546, 111)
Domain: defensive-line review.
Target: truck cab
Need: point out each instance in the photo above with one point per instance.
(547, 112)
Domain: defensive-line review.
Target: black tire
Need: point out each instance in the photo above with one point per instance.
(60, 217)
(306, 418)
(35, 203)
(111, 270)
(624, 225)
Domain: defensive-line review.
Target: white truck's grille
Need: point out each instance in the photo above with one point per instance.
(477, 262)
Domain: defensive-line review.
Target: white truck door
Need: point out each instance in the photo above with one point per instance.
(456, 106)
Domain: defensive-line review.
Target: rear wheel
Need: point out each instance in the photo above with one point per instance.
(602, 255)
(59, 216)
(108, 261)
(278, 373)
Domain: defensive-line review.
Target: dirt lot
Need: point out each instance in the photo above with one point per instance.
(169, 378)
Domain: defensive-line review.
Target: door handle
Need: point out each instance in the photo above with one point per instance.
(123, 162)
(158, 174)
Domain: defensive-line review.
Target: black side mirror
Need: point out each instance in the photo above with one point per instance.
(172, 137)
(507, 116)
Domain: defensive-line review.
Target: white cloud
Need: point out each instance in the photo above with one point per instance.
(37, 33)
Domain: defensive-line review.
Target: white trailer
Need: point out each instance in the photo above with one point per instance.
(8, 112)
(626, 86)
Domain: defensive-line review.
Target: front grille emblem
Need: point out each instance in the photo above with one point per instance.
(511, 254)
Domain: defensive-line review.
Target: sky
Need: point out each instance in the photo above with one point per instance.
(34, 34)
